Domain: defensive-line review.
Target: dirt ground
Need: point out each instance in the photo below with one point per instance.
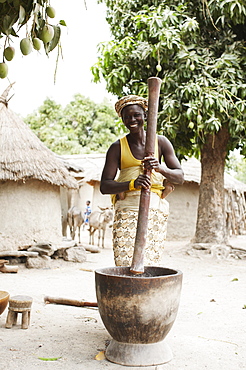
(209, 332)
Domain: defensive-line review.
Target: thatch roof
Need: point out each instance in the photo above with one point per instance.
(92, 165)
(74, 169)
(192, 173)
(192, 170)
(23, 156)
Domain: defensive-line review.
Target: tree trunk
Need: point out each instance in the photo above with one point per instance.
(211, 219)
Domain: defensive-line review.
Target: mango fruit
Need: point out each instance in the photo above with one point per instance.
(3, 70)
(9, 53)
(158, 67)
(37, 44)
(47, 33)
(50, 11)
(25, 46)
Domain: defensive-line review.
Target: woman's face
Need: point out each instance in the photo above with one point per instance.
(133, 117)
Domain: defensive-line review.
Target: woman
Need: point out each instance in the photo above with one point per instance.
(127, 155)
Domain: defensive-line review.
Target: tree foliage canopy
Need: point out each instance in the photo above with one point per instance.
(197, 47)
(81, 127)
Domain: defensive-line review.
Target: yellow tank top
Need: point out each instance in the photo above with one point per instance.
(127, 159)
(132, 167)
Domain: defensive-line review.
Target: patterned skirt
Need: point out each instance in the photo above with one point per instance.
(124, 233)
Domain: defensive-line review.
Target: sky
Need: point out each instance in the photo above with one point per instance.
(34, 74)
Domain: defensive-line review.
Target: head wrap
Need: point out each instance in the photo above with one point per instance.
(130, 100)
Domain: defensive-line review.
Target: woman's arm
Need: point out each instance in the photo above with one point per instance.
(171, 169)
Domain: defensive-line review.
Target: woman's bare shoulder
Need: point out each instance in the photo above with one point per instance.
(115, 147)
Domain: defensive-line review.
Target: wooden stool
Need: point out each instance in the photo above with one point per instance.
(19, 304)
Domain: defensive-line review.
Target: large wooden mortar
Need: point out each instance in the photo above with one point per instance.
(138, 311)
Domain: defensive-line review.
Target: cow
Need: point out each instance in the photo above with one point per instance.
(98, 220)
(75, 219)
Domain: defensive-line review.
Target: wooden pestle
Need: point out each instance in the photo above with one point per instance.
(137, 267)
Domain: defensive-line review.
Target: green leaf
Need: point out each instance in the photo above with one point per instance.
(62, 23)
(49, 358)
(7, 24)
(22, 14)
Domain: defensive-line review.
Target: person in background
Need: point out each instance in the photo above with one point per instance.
(127, 155)
(87, 212)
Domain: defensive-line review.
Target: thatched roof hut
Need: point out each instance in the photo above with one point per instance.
(24, 156)
(30, 180)
(91, 165)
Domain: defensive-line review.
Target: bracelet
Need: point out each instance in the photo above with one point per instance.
(131, 185)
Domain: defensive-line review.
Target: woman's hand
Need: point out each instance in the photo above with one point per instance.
(142, 181)
(151, 163)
